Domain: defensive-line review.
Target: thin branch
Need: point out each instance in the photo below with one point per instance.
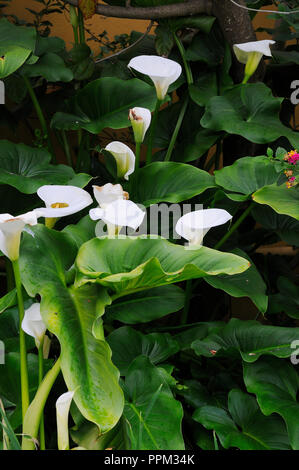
(130, 46)
(186, 8)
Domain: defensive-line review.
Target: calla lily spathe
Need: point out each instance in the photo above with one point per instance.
(140, 119)
(33, 324)
(10, 232)
(250, 53)
(62, 200)
(118, 214)
(163, 72)
(62, 413)
(194, 225)
(109, 193)
(124, 157)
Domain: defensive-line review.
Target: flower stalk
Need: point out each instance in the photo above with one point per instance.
(23, 352)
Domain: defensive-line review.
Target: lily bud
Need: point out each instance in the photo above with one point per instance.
(250, 53)
(140, 119)
(62, 413)
(73, 17)
(124, 157)
(33, 324)
(194, 225)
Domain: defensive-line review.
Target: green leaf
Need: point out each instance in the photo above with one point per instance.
(250, 339)
(287, 228)
(208, 48)
(174, 182)
(27, 168)
(16, 44)
(243, 425)
(105, 103)
(248, 284)
(164, 41)
(282, 199)
(146, 306)
(8, 300)
(10, 384)
(73, 316)
(286, 300)
(153, 417)
(202, 22)
(48, 44)
(250, 111)
(127, 265)
(275, 384)
(51, 67)
(247, 175)
(127, 343)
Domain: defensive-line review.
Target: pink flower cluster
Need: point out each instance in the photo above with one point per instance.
(292, 157)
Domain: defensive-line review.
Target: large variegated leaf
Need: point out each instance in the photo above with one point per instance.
(128, 265)
(70, 314)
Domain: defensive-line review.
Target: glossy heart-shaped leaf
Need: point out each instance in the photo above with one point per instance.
(127, 343)
(250, 111)
(275, 384)
(247, 284)
(250, 339)
(127, 265)
(153, 417)
(70, 314)
(49, 66)
(105, 103)
(27, 168)
(146, 306)
(282, 199)
(247, 175)
(174, 182)
(243, 425)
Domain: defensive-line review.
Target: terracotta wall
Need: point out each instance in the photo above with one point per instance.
(114, 26)
(63, 29)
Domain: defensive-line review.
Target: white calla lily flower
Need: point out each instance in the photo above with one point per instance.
(118, 214)
(62, 200)
(194, 225)
(163, 72)
(109, 193)
(140, 119)
(250, 53)
(124, 157)
(63, 405)
(10, 232)
(33, 324)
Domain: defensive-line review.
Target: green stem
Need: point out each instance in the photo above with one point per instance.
(67, 148)
(181, 48)
(234, 227)
(176, 129)
(42, 439)
(81, 26)
(39, 114)
(152, 132)
(188, 294)
(137, 155)
(76, 36)
(23, 351)
(9, 275)
(34, 413)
